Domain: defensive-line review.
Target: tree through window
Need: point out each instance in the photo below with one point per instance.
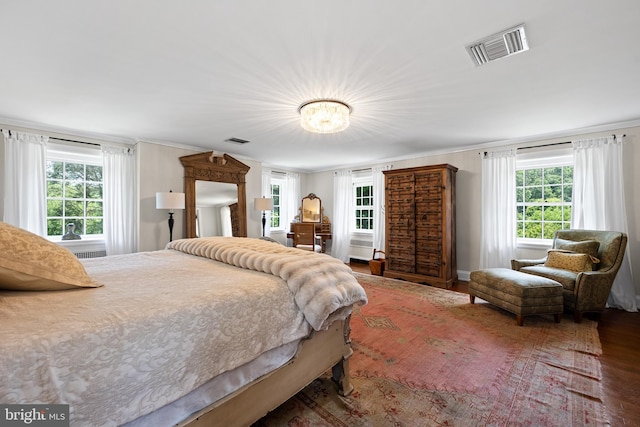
(543, 201)
(74, 194)
(363, 207)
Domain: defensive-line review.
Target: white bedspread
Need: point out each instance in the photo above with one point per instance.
(322, 285)
(164, 323)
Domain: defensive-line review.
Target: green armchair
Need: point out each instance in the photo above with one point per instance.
(584, 291)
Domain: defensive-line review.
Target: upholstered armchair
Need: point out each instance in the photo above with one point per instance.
(583, 291)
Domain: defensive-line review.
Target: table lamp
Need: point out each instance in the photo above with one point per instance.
(263, 204)
(170, 201)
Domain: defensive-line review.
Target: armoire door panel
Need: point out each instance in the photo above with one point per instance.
(420, 224)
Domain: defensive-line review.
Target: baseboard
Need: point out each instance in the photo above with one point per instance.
(464, 275)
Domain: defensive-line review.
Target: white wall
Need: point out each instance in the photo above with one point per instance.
(468, 195)
(160, 170)
(1, 176)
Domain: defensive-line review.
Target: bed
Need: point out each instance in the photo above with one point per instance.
(212, 331)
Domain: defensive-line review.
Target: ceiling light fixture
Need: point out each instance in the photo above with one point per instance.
(324, 116)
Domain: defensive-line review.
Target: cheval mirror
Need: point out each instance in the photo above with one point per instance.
(218, 168)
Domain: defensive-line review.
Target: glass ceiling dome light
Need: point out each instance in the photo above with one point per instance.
(324, 116)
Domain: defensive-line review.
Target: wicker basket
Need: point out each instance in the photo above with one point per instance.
(376, 264)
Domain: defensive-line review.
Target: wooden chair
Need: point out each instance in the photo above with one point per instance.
(304, 236)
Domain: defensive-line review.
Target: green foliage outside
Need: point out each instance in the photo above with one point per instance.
(94, 190)
(54, 170)
(543, 199)
(275, 212)
(54, 227)
(364, 219)
(94, 226)
(74, 172)
(94, 173)
(364, 212)
(364, 196)
(74, 195)
(73, 190)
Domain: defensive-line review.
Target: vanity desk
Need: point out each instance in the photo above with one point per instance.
(311, 210)
(321, 236)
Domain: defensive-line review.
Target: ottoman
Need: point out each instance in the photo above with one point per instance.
(519, 293)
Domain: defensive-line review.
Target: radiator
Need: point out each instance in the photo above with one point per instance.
(362, 243)
(90, 254)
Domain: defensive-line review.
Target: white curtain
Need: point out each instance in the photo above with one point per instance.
(289, 198)
(342, 206)
(119, 195)
(292, 198)
(266, 192)
(379, 207)
(598, 203)
(225, 221)
(498, 215)
(25, 195)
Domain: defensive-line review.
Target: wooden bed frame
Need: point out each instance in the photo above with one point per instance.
(324, 350)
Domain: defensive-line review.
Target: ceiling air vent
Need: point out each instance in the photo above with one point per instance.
(237, 140)
(504, 43)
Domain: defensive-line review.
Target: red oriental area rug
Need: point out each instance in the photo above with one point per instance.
(427, 357)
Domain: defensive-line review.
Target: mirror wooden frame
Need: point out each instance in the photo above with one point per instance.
(311, 199)
(208, 166)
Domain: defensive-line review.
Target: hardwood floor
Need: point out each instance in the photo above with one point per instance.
(619, 333)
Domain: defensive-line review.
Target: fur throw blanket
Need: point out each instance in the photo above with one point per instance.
(324, 287)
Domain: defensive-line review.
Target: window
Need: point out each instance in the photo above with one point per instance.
(276, 195)
(543, 196)
(74, 191)
(363, 202)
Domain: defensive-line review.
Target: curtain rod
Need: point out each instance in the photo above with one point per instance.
(543, 145)
(534, 146)
(550, 145)
(61, 139)
(557, 143)
(77, 142)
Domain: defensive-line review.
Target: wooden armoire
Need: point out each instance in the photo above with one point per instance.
(420, 225)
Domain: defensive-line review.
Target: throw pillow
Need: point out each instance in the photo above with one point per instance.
(589, 247)
(572, 261)
(29, 262)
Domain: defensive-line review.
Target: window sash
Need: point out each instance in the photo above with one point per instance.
(275, 216)
(362, 214)
(88, 157)
(545, 204)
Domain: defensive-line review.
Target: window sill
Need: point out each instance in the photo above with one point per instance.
(84, 245)
(534, 243)
(362, 233)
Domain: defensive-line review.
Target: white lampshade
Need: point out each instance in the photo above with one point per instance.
(263, 203)
(169, 200)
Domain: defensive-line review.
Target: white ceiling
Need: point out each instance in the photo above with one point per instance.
(198, 72)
